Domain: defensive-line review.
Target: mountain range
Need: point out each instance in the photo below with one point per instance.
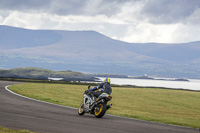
(93, 52)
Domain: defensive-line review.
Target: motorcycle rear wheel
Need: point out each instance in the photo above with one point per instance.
(101, 111)
(81, 109)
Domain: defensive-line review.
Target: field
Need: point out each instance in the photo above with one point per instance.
(175, 107)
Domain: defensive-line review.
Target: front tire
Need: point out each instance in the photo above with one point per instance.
(101, 110)
(81, 109)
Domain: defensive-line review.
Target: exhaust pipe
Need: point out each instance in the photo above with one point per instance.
(109, 106)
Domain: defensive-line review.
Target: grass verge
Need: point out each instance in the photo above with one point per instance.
(6, 130)
(177, 107)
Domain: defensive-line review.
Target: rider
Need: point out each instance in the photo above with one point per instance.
(105, 88)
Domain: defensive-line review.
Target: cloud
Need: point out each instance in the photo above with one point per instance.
(1, 19)
(186, 33)
(170, 11)
(64, 7)
(164, 21)
(194, 18)
(24, 5)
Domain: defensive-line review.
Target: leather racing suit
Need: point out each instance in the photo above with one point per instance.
(105, 88)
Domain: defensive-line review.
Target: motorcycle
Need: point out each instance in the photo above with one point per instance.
(92, 105)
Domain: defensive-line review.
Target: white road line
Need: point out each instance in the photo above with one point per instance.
(6, 87)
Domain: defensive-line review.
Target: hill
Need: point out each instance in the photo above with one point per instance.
(90, 51)
(44, 74)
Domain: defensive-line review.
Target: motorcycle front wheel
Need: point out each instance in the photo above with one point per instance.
(81, 109)
(101, 110)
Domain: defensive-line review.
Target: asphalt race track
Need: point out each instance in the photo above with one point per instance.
(20, 113)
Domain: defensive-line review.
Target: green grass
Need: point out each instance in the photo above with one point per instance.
(6, 130)
(176, 107)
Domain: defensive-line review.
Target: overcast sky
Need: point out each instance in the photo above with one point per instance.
(163, 21)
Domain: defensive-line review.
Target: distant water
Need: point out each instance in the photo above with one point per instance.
(194, 84)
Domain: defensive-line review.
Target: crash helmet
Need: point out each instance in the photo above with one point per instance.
(107, 80)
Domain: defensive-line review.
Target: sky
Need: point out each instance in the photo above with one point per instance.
(135, 21)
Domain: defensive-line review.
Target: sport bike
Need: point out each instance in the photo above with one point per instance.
(93, 105)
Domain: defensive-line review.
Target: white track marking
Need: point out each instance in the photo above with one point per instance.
(6, 87)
